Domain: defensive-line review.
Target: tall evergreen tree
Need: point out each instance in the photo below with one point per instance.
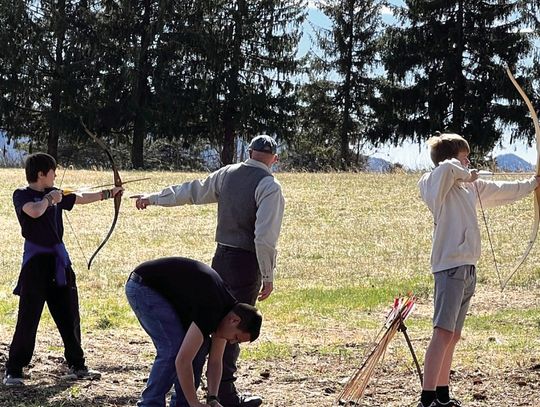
(444, 67)
(316, 145)
(350, 49)
(50, 41)
(17, 69)
(249, 53)
(130, 40)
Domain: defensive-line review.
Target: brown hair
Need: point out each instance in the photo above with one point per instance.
(444, 146)
(36, 163)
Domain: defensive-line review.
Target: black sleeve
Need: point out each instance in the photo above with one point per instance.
(20, 198)
(68, 201)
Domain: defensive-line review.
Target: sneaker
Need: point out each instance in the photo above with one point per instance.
(432, 404)
(450, 403)
(249, 401)
(244, 400)
(10, 380)
(82, 373)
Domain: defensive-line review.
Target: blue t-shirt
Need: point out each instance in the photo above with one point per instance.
(48, 229)
(196, 292)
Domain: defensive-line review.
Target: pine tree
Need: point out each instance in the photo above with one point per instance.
(445, 70)
(48, 60)
(248, 49)
(349, 50)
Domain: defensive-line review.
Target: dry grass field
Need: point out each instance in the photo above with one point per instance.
(349, 244)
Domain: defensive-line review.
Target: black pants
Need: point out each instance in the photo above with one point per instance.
(38, 287)
(240, 270)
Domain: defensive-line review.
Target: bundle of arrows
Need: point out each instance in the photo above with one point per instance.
(357, 384)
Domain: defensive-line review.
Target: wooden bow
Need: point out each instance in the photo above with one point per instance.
(117, 183)
(534, 230)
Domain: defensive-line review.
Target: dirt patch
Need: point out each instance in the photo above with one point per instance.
(307, 377)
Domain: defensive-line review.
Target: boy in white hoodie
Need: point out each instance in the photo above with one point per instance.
(453, 192)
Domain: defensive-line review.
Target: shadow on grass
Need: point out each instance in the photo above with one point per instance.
(40, 395)
(51, 390)
(31, 395)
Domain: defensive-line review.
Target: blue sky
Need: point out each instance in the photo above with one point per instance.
(416, 157)
(411, 155)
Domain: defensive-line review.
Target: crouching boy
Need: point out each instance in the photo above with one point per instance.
(186, 309)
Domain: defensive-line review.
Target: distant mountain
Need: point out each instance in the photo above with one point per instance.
(512, 163)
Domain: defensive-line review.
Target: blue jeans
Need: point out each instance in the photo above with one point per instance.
(161, 323)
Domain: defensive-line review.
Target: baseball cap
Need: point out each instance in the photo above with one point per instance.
(263, 143)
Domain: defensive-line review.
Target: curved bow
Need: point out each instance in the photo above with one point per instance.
(117, 183)
(536, 223)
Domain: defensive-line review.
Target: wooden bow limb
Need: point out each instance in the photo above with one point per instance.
(536, 222)
(117, 182)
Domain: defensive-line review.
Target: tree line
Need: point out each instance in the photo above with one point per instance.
(144, 74)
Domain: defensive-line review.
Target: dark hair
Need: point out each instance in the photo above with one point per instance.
(36, 163)
(250, 319)
(446, 145)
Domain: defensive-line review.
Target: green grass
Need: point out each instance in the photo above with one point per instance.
(310, 306)
(349, 244)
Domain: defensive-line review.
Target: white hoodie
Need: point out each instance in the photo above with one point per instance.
(453, 202)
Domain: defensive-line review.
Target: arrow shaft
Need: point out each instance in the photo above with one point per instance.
(68, 191)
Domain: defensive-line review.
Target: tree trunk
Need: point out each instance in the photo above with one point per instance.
(347, 103)
(458, 97)
(141, 91)
(56, 80)
(228, 150)
(137, 147)
(54, 132)
(232, 106)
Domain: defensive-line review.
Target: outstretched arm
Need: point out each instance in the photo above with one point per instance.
(195, 192)
(89, 197)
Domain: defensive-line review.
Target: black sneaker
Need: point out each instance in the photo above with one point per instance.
(14, 381)
(249, 401)
(244, 400)
(82, 373)
(432, 404)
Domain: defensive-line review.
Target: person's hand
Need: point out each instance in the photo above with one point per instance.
(474, 176)
(141, 202)
(117, 190)
(537, 181)
(266, 290)
(56, 196)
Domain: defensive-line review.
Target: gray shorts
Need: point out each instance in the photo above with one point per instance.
(454, 289)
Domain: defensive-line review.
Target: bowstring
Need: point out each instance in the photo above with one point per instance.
(488, 233)
(69, 222)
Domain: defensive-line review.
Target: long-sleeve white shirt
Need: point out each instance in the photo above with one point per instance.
(270, 208)
(453, 202)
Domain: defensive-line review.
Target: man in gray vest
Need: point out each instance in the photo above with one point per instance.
(250, 211)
